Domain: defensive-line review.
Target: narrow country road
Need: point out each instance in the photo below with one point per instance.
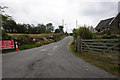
(54, 60)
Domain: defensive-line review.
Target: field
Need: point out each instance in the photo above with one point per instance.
(14, 35)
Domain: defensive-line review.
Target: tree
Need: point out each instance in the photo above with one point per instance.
(74, 33)
(49, 28)
(21, 28)
(41, 28)
(57, 30)
(8, 23)
(61, 29)
(10, 26)
(4, 36)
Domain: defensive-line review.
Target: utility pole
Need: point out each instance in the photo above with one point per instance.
(63, 22)
(66, 27)
(76, 24)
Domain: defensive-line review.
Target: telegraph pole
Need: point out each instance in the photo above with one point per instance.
(63, 22)
(66, 27)
(76, 24)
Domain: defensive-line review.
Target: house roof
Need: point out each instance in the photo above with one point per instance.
(115, 18)
(104, 23)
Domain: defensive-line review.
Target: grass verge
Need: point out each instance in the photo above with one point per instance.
(107, 62)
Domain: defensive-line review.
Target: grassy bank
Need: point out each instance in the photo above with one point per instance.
(29, 46)
(106, 62)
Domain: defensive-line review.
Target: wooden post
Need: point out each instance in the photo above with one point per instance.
(76, 45)
(79, 46)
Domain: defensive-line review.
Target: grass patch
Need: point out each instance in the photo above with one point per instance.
(28, 46)
(106, 62)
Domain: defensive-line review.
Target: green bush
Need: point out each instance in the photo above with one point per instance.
(113, 36)
(94, 36)
(75, 35)
(5, 36)
(118, 36)
(84, 33)
(98, 37)
(105, 36)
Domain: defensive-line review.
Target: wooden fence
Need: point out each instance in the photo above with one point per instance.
(98, 45)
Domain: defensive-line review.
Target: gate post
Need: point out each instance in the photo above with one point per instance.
(79, 44)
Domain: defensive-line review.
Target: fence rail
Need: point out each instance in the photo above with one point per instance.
(98, 45)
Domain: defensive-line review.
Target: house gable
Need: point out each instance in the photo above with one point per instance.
(103, 23)
(115, 25)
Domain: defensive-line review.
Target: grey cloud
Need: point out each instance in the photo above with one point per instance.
(119, 6)
(100, 9)
(44, 11)
(96, 11)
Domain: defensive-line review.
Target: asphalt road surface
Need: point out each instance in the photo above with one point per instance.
(54, 60)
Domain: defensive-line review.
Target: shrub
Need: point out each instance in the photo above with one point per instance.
(118, 36)
(98, 37)
(5, 36)
(84, 33)
(94, 36)
(113, 36)
(105, 36)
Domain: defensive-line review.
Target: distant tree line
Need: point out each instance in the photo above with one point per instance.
(10, 26)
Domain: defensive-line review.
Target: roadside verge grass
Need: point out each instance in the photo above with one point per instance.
(107, 62)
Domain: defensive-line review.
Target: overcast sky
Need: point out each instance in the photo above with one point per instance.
(88, 12)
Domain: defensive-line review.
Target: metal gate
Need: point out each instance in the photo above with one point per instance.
(98, 45)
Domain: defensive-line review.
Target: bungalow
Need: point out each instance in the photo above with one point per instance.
(103, 25)
(109, 26)
(114, 25)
